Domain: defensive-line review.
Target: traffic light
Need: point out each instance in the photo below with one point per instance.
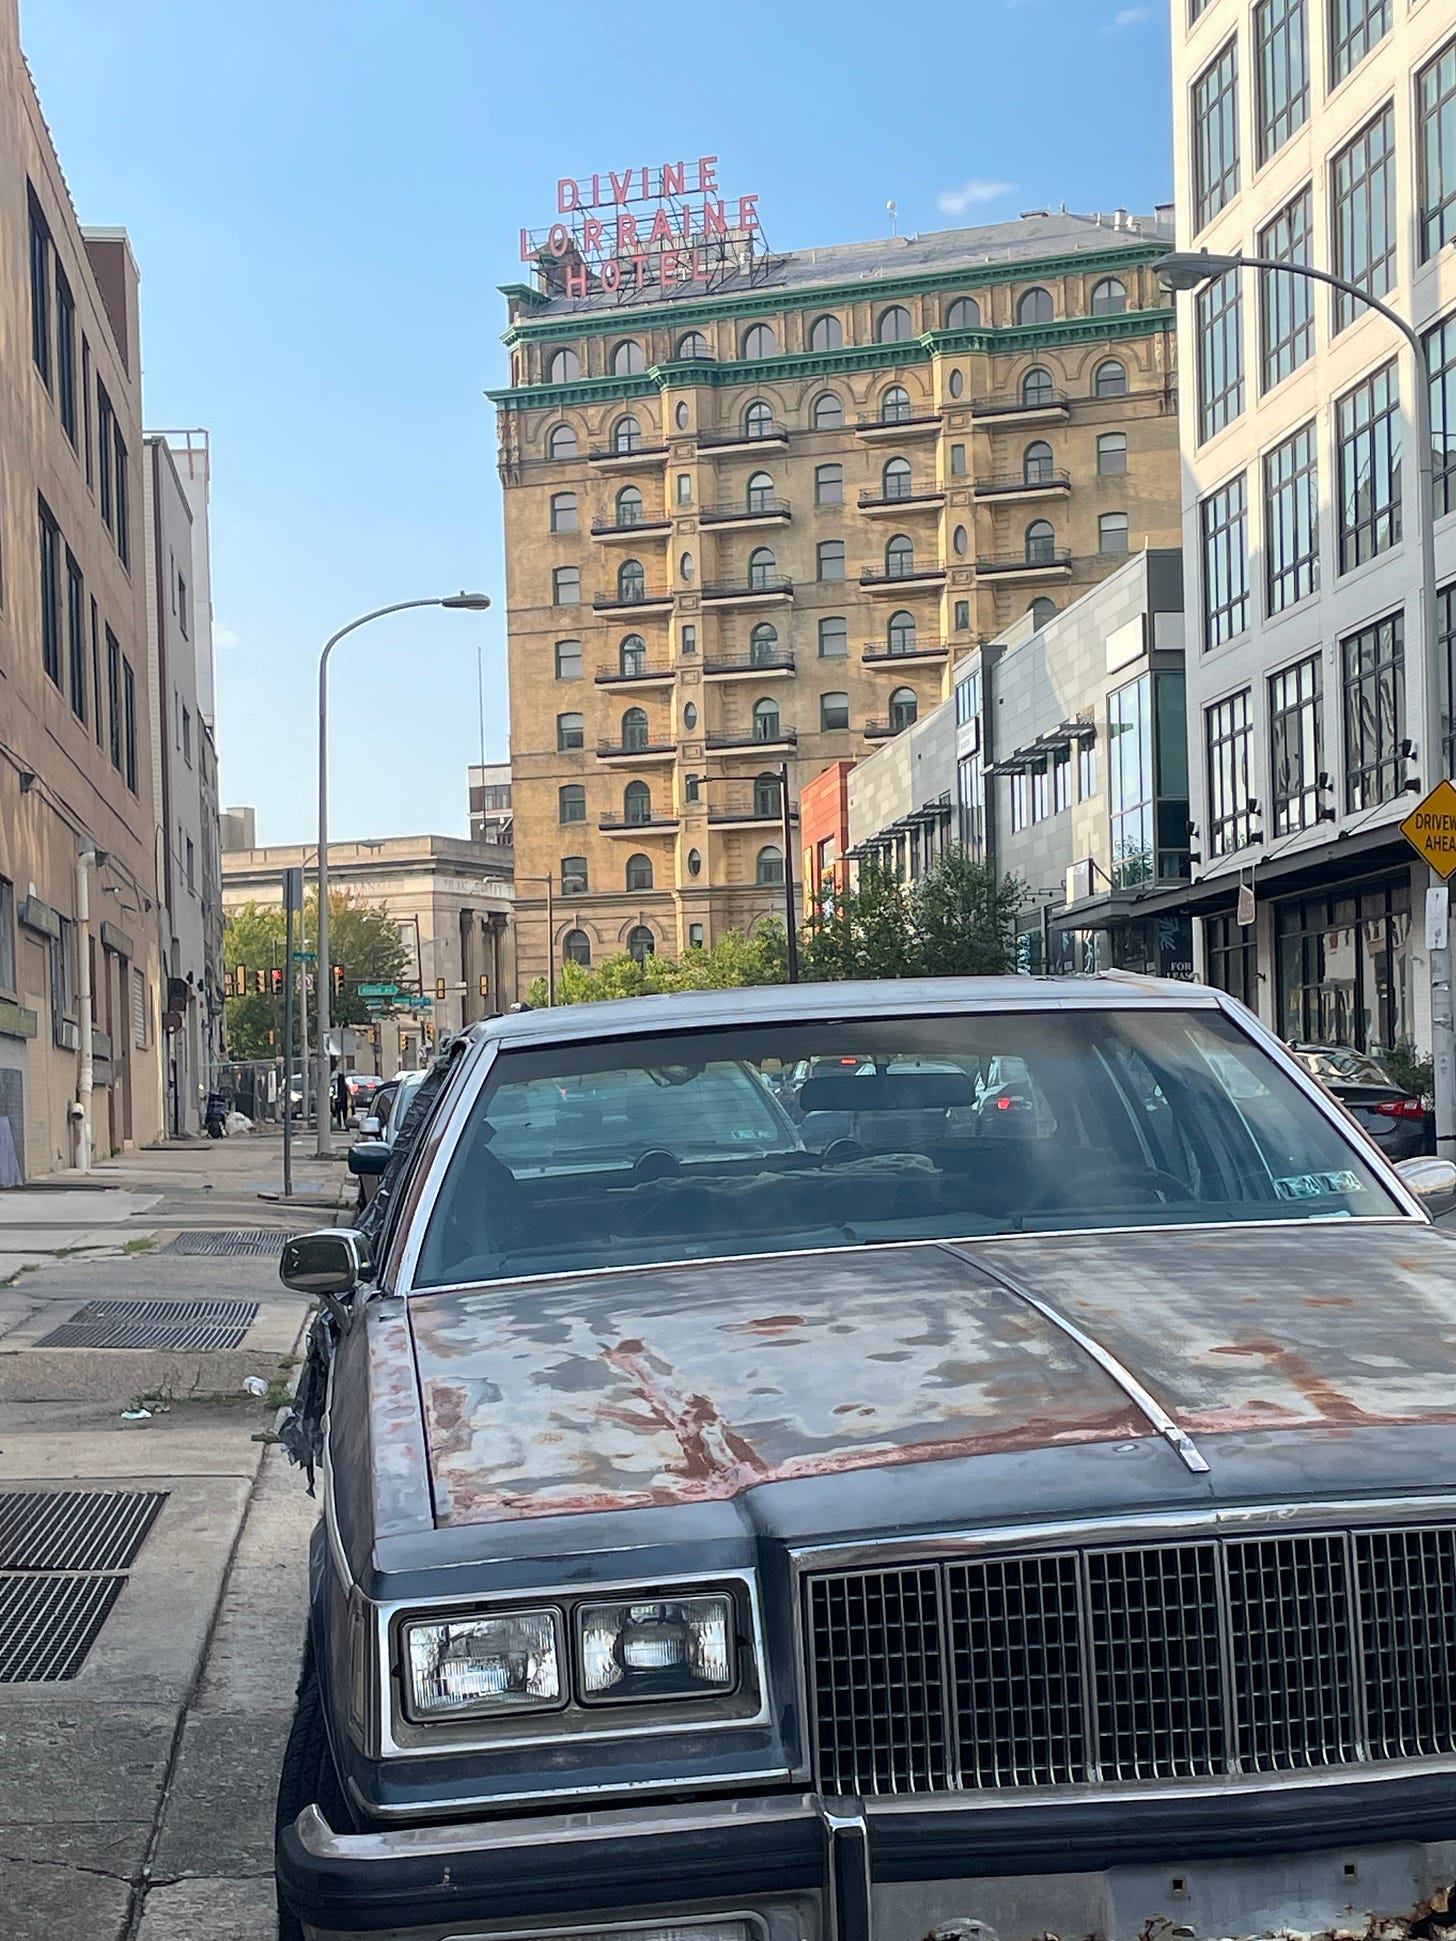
(338, 980)
(260, 983)
(276, 979)
(240, 980)
(439, 987)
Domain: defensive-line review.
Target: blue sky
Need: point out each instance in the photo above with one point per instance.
(324, 195)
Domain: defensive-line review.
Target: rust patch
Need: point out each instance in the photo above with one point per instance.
(709, 1446)
(1328, 1300)
(449, 1421)
(771, 1324)
(1317, 1389)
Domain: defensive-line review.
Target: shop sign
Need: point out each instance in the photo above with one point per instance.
(631, 228)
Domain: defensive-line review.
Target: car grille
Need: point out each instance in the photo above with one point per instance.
(1134, 1666)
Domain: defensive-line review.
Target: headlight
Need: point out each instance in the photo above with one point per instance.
(684, 1648)
(470, 1667)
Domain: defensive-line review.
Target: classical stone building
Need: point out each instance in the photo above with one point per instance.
(752, 528)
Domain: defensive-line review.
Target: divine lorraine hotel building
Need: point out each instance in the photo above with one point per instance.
(755, 525)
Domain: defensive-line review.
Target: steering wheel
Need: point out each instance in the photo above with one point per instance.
(1163, 1182)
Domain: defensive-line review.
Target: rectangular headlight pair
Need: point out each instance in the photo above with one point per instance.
(492, 1664)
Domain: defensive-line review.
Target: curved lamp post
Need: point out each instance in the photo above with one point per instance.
(459, 602)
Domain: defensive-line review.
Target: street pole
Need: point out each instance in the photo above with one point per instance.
(1186, 270)
(550, 947)
(790, 918)
(303, 1008)
(288, 1046)
(466, 602)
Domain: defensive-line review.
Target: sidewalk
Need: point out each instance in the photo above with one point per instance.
(136, 1775)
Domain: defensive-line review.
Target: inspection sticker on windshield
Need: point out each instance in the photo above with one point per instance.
(1316, 1186)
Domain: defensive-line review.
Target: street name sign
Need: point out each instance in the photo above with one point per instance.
(1430, 829)
(379, 990)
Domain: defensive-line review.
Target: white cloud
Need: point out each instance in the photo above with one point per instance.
(1129, 17)
(970, 195)
(223, 638)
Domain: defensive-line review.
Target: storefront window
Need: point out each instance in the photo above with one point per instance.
(1130, 782)
(1232, 959)
(1343, 966)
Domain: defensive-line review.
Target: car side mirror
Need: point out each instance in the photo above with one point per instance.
(368, 1158)
(1428, 1179)
(328, 1263)
(370, 1127)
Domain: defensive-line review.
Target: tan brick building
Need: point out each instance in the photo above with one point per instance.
(756, 526)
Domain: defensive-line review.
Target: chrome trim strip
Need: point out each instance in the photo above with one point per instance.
(1142, 1399)
(613, 1790)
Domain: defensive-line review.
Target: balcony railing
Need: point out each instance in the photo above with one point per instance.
(1045, 559)
(884, 730)
(875, 499)
(769, 434)
(763, 586)
(882, 575)
(623, 454)
(1010, 404)
(751, 738)
(652, 745)
(1053, 479)
(653, 670)
(920, 648)
(770, 508)
(649, 528)
(634, 596)
(911, 421)
(654, 819)
(747, 805)
(776, 661)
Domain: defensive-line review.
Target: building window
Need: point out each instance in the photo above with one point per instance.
(1281, 57)
(759, 341)
(1294, 745)
(829, 485)
(629, 506)
(1355, 27)
(760, 493)
(568, 660)
(1286, 303)
(129, 724)
(123, 502)
(631, 581)
(899, 557)
(758, 420)
(971, 805)
(1220, 337)
(828, 413)
(769, 867)
(833, 638)
(833, 712)
(1112, 532)
(40, 291)
(564, 366)
(1020, 801)
(1363, 190)
(635, 733)
(105, 439)
(686, 567)
(1436, 151)
(689, 641)
(86, 406)
(693, 344)
(1441, 363)
(762, 569)
(895, 405)
(627, 435)
(1042, 610)
(903, 708)
(1036, 463)
(182, 605)
(962, 616)
(632, 655)
(963, 314)
(826, 333)
(1130, 782)
(113, 697)
(1291, 521)
(639, 872)
(1111, 380)
(767, 796)
(1037, 390)
(7, 935)
(641, 944)
(766, 720)
(561, 443)
(895, 480)
(763, 645)
(1109, 297)
(1061, 780)
(50, 593)
(1230, 797)
(1374, 671)
(76, 636)
(1446, 658)
(573, 876)
(958, 461)
(830, 553)
(576, 949)
(1216, 135)
(1086, 768)
(570, 732)
(1034, 306)
(1041, 543)
(565, 586)
(1224, 519)
(66, 354)
(894, 325)
(1231, 955)
(960, 541)
(900, 634)
(1111, 454)
(1368, 431)
(563, 512)
(956, 382)
(628, 359)
(191, 868)
(571, 803)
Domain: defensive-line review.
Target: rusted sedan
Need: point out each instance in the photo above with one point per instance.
(1001, 1483)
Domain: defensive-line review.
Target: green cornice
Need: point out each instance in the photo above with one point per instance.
(1067, 332)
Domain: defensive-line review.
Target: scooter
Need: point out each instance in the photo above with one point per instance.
(216, 1119)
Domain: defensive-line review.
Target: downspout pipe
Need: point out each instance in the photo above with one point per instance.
(86, 861)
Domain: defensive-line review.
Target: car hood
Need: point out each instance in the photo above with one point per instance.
(689, 1383)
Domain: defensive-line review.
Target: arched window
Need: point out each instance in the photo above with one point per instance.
(641, 944)
(626, 434)
(826, 333)
(769, 869)
(1111, 380)
(570, 732)
(900, 556)
(1109, 298)
(896, 478)
(895, 405)
(762, 567)
(1041, 543)
(573, 876)
(629, 506)
(767, 800)
(1111, 453)
(694, 344)
(627, 358)
(1112, 532)
(561, 443)
(639, 873)
(568, 660)
(760, 492)
(631, 581)
(763, 645)
(632, 655)
(833, 712)
(564, 366)
(1041, 610)
(900, 635)
(571, 803)
(563, 512)
(1037, 387)
(1035, 306)
(1036, 463)
(963, 314)
(894, 325)
(634, 728)
(759, 341)
(903, 708)
(758, 420)
(565, 586)
(576, 949)
(828, 413)
(765, 720)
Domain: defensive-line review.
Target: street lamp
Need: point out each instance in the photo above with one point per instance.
(459, 602)
(1187, 270)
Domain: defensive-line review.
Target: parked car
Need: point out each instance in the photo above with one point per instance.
(1401, 1123)
(996, 1534)
(362, 1088)
(379, 1130)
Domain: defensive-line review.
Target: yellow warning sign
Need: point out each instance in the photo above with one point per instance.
(1430, 829)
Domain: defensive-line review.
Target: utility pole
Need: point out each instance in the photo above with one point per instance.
(292, 903)
(790, 917)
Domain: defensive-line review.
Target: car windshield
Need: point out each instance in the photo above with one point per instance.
(1338, 1065)
(807, 1135)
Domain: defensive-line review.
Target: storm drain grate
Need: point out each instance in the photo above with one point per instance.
(75, 1529)
(48, 1624)
(245, 1240)
(155, 1324)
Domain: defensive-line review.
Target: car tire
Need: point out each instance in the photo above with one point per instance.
(308, 1776)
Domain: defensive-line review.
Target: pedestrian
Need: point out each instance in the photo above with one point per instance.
(341, 1100)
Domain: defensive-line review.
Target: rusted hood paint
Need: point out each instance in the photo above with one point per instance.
(696, 1383)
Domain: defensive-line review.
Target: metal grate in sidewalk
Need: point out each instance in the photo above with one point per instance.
(49, 1623)
(242, 1240)
(66, 1530)
(155, 1324)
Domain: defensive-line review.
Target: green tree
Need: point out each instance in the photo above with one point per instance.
(733, 961)
(363, 938)
(957, 920)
